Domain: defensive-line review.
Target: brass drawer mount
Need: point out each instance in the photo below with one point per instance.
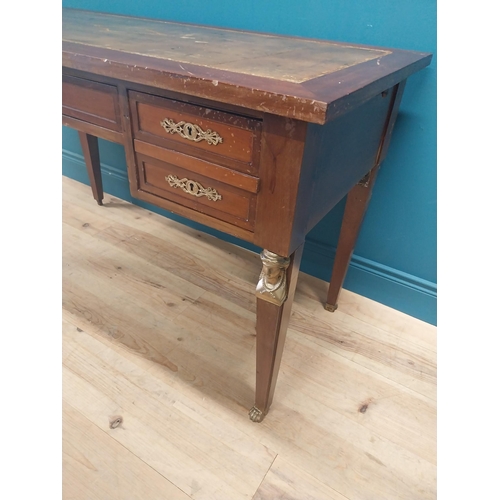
(191, 131)
(192, 187)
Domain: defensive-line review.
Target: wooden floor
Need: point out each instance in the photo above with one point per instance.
(158, 328)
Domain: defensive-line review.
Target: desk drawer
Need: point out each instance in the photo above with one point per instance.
(204, 194)
(224, 138)
(92, 102)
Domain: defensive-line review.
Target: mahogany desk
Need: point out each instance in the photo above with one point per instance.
(227, 128)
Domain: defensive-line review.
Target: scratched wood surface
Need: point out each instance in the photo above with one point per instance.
(307, 79)
(159, 328)
(289, 59)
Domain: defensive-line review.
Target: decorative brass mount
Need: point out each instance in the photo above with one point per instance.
(191, 131)
(193, 188)
(272, 285)
(255, 414)
(365, 180)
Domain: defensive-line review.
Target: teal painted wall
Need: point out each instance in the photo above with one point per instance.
(395, 257)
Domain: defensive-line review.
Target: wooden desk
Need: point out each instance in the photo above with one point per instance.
(227, 128)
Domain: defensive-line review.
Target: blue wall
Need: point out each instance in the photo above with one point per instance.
(395, 257)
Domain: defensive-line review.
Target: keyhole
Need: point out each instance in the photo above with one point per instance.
(189, 131)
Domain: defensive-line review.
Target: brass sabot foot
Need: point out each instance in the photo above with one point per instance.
(331, 308)
(256, 415)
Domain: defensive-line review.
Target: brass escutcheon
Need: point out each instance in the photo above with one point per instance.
(191, 131)
(193, 188)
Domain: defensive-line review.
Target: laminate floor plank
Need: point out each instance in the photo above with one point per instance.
(412, 365)
(193, 355)
(95, 465)
(390, 410)
(285, 481)
(166, 292)
(373, 313)
(161, 232)
(159, 327)
(199, 463)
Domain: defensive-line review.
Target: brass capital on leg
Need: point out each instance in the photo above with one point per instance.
(272, 286)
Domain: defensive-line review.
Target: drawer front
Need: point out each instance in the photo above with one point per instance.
(92, 102)
(219, 137)
(198, 166)
(198, 192)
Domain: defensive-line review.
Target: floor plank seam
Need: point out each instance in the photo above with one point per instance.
(123, 446)
(325, 438)
(344, 353)
(382, 377)
(265, 475)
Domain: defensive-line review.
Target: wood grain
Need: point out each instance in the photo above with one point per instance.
(90, 101)
(90, 149)
(236, 132)
(91, 129)
(234, 206)
(283, 144)
(357, 202)
(291, 81)
(273, 56)
(271, 326)
(208, 169)
(159, 327)
(285, 481)
(348, 150)
(95, 465)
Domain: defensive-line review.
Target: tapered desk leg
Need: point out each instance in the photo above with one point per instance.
(275, 292)
(90, 150)
(357, 203)
(355, 208)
